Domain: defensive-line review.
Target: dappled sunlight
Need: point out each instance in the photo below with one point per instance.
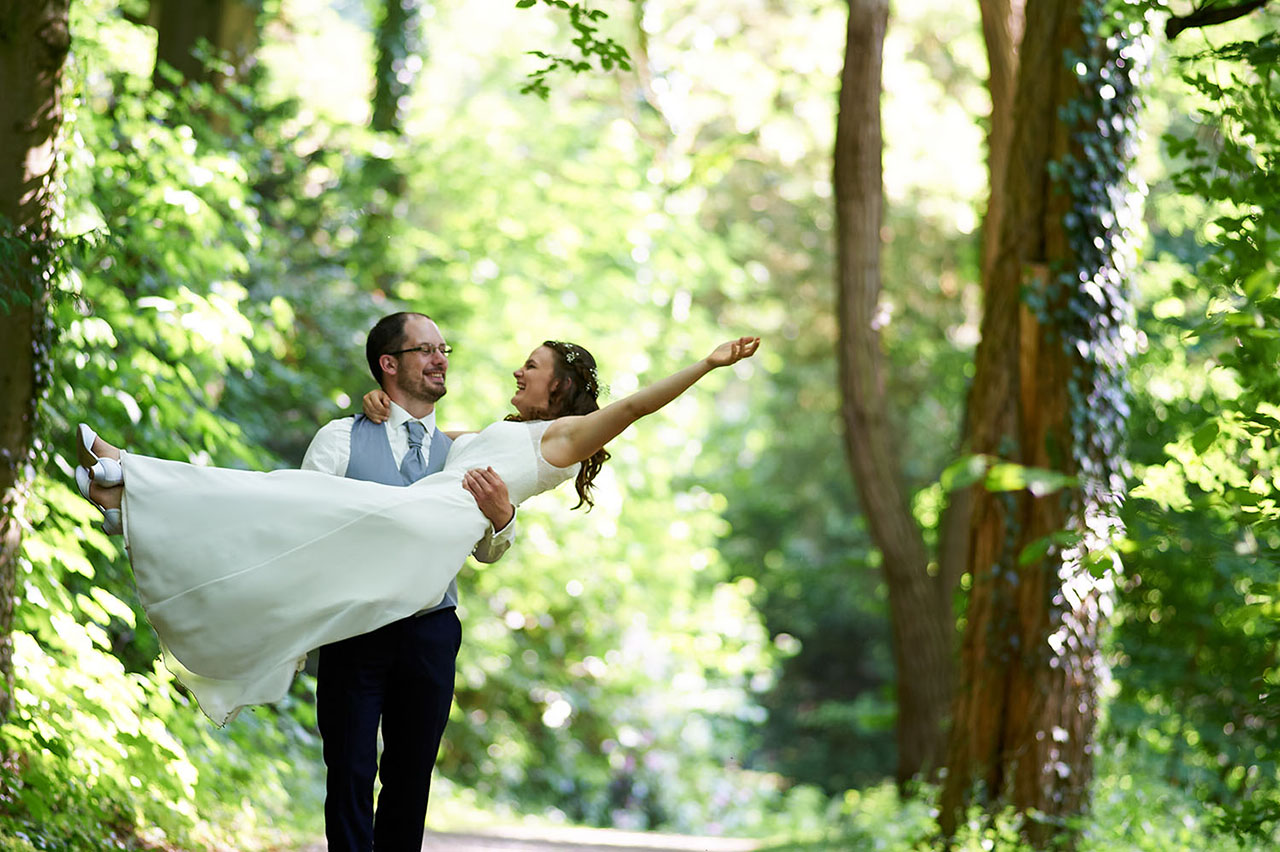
(710, 649)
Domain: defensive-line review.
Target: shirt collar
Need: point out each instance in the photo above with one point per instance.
(399, 417)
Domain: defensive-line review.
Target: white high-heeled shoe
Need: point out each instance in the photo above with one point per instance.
(107, 472)
(112, 520)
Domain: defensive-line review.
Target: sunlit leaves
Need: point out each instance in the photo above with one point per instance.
(592, 46)
(997, 475)
(1204, 518)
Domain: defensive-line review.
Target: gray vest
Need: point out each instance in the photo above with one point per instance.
(371, 460)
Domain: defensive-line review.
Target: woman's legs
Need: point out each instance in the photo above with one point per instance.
(99, 476)
(101, 449)
(107, 498)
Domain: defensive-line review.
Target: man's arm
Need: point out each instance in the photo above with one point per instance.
(490, 493)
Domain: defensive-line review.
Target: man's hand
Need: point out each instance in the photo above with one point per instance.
(491, 495)
(377, 405)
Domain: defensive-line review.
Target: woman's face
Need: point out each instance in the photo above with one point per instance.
(534, 382)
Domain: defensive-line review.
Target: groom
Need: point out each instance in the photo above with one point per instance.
(401, 674)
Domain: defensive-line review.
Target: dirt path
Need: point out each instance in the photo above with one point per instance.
(570, 840)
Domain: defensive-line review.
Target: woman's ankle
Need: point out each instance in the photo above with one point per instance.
(107, 498)
(103, 449)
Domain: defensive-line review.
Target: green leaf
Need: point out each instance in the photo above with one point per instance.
(1034, 551)
(1099, 562)
(1261, 284)
(1205, 436)
(1007, 476)
(963, 472)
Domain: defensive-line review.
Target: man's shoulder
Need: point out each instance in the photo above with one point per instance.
(338, 424)
(329, 449)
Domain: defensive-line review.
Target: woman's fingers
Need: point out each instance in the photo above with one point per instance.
(377, 405)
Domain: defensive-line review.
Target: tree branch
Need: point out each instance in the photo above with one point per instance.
(1209, 15)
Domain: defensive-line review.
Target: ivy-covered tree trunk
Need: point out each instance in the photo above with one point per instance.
(229, 26)
(1049, 394)
(919, 614)
(34, 40)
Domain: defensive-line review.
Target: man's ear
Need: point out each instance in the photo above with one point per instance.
(389, 364)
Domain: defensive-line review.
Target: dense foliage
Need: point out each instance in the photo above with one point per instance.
(707, 649)
(1198, 630)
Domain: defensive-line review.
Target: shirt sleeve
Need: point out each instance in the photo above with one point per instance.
(494, 544)
(330, 449)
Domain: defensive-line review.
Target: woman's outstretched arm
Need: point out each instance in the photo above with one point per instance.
(573, 439)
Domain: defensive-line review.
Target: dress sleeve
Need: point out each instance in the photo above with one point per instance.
(330, 449)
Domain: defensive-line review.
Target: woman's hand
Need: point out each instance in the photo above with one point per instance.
(729, 353)
(377, 405)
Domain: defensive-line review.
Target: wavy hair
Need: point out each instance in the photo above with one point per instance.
(577, 391)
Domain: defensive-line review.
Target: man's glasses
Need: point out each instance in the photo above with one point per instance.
(427, 349)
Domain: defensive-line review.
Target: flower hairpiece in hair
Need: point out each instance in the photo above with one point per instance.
(573, 354)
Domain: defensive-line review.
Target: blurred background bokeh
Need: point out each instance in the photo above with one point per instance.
(708, 650)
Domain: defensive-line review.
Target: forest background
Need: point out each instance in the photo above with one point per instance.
(712, 648)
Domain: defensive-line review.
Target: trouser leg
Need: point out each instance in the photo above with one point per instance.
(350, 687)
(419, 695)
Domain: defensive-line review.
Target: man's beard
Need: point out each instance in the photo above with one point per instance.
(422, 392)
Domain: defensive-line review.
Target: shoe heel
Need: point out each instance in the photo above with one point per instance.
(112, 522)
(84, 445)
(82, 482)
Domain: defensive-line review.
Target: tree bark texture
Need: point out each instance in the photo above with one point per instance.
(34, 40)
(919, 613)
(1002, 25)
(1024, 711)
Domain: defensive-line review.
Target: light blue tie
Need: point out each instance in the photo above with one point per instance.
(414, 467)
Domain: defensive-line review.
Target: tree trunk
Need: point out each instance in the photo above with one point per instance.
(395, 68)
(1045, 395)
(34, 39)
(229, 26)
(919, 614)
(1002, 24)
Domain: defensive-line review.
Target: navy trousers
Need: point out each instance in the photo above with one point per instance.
(402, 676)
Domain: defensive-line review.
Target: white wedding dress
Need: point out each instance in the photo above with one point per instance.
(242, 573)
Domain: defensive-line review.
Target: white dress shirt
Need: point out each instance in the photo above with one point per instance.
(330, 452)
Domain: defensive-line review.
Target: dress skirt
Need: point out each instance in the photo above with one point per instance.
(242, 573)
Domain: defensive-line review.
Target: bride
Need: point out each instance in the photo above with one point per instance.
(242, 573)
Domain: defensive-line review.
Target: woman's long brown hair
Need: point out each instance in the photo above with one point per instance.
(577, 391)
